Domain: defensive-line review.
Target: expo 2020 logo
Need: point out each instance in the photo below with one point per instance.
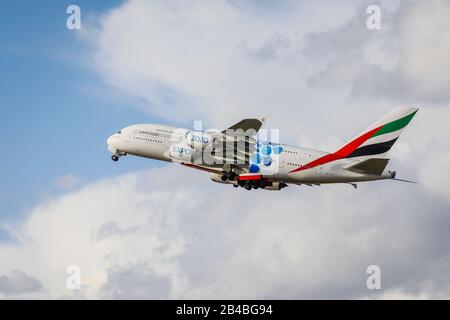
(263, 155)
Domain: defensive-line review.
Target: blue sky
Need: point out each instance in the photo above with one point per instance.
(55, 112)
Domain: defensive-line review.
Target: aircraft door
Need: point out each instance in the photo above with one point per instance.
(281, 162)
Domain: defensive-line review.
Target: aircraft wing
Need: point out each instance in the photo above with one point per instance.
(235, 145)
(246, 125)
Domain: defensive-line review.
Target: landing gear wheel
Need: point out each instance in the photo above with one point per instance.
(114, 157)
(232, 175)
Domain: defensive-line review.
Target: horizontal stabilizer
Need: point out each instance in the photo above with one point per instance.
(374, 166)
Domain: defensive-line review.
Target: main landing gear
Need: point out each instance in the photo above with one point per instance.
(229, 176)
(250, 184)
(263, 184)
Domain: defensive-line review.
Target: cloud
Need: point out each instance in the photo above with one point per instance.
(426, 46)
(319, 74)
(135, 282)
(110, 229)
(18, 282)
(5, 236)
(264, 52)
(424, 152)
(404, 61)
(171, 233)
(302, 66)
(67, 181)
(218, 61)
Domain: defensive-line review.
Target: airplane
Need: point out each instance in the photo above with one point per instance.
(237, 156)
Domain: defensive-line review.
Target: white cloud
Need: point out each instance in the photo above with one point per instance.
(67, 181)
(17, 283)
(172, 233)
(425, 44)
(404, 61)
(305, 67)
(424, 151)
(317, 72)
(212, 60)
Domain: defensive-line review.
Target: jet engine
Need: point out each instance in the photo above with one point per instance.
(275, 186)
(219, 178)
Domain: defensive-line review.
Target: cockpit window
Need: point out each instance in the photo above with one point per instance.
(119, 132)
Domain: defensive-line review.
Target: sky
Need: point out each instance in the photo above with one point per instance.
(56, 111)
(149, 230)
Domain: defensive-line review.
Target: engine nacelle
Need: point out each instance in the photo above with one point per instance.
(217, 177)
(275, 186)
(198, 140)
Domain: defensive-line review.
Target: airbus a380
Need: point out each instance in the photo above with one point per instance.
(238, 156)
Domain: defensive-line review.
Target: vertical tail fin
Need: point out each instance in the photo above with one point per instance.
(375, 142)
(378, 139)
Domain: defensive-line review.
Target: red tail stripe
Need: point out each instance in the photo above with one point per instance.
(354, 144)
(341, 153)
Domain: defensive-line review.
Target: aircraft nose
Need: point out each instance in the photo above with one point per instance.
(110, 140)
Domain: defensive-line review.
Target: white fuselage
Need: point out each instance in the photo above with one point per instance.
(157, 142)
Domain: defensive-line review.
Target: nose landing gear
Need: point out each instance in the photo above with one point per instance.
(115, 157)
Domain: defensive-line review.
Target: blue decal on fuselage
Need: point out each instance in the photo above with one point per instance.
(263, 155)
